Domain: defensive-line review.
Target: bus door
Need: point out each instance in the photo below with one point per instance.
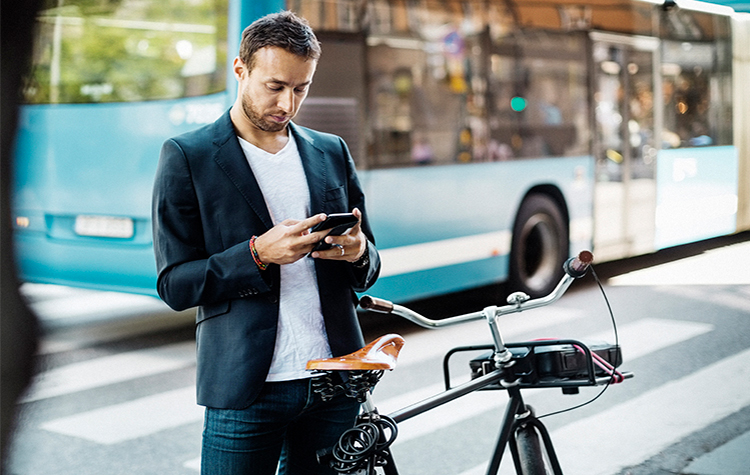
(624, 99)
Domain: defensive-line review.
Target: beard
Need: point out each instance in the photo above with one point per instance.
(256, 118)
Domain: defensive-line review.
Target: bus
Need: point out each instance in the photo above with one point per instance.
(493, 139)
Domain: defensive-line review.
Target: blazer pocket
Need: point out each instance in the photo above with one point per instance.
(335, 200)
(209, 311)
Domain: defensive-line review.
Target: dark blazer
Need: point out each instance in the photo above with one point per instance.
(206, 206)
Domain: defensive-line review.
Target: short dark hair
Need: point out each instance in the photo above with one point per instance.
(284, 30)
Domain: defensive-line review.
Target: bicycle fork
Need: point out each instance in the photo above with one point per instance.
(519, 418)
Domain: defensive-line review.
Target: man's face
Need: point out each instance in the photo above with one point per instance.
(274, 90)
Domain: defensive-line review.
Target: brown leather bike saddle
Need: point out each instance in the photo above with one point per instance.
(381, 354)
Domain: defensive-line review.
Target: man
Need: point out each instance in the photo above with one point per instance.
(233, 205)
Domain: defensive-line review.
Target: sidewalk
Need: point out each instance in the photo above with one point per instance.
(732, 458)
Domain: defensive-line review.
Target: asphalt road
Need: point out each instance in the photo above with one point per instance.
(115, 392)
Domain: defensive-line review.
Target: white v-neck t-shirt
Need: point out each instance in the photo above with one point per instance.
(301, 334)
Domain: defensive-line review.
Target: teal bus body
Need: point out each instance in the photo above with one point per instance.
(697, 194)
(105, 169)
(500, 199)
(408, 207)
(448, 228)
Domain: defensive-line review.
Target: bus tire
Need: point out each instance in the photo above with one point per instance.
(530, 455)
(539, 246)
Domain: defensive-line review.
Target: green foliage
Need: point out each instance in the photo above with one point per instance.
(127, 50)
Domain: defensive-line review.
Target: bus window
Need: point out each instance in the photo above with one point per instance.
(695, 85)
(127, 51)
(696, 71)
(328, 15)
(426, 86)
(537, 96)
(457, 82)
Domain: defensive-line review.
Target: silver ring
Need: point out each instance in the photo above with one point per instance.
(340, 247)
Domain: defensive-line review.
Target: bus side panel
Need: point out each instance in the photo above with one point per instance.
(94, 160)
(99, 266)
(696, 194)
(448, 228)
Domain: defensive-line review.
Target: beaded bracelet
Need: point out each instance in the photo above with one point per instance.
(254, 252)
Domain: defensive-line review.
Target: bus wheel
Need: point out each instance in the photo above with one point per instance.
(539, 246)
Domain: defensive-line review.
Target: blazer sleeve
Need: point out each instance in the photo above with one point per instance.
(189, 274)
(362, 278)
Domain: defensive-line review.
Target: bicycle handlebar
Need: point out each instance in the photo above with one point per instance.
(578, 265)
(574, 268)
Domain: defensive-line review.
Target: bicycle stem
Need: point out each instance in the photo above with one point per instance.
(502, 355)
(518, 302)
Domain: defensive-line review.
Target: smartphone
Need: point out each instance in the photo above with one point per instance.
(338, 223)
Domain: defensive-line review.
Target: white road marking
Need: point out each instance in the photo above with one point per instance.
(640, 428)
(132, 419)
(56, 304)
(193, 464)
(650, 334)
(149, 415)
(145, 416)
(637, 339)
(74, 318)
(111, 369)
(738, 301)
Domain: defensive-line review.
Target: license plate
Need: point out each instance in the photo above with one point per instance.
(104, 226)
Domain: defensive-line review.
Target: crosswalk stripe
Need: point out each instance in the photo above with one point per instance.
(111, 369)
(193, 464)
(650, 334)
(146, 416)
(738, 301)
(74, 318)
(634, 431)
(133, 419)
(640, 428)
(56, 304)
(134, 364)
(642, 337)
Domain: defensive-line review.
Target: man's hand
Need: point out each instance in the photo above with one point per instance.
(347, 247)
(289, 241)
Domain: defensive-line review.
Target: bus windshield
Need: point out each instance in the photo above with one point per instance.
(90, 51)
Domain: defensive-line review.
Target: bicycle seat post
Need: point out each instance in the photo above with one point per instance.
(502, 355)
(368, 406)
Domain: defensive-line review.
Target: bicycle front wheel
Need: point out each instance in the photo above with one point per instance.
(530, 453)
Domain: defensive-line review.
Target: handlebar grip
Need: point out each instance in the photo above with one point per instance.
(577, 266)
(375, 304)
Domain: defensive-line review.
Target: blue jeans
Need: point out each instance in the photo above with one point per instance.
(285, 426)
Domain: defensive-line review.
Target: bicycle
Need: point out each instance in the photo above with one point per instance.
(513, 367)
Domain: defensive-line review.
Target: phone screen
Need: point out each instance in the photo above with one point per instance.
(338, 223)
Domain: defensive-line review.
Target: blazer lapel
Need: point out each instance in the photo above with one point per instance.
(231, 159)
(313, 162)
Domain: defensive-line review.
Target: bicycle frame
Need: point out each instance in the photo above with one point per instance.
(517, 413)
(512, 367)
